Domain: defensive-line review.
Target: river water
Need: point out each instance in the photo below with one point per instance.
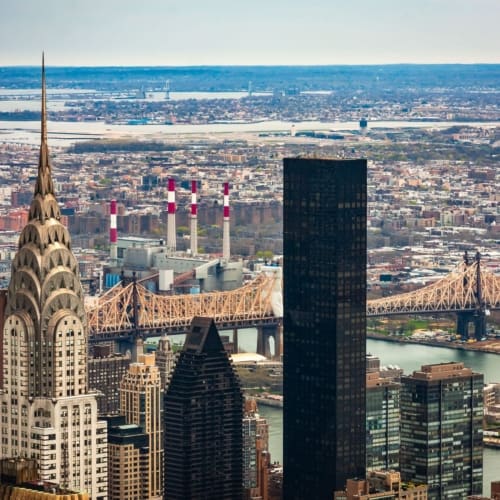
(409, 357)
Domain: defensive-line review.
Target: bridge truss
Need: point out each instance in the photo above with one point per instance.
(133, 308)
(128, 309)
(468, 288)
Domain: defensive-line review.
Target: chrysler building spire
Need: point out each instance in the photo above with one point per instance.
(45, 395)
(44, 183)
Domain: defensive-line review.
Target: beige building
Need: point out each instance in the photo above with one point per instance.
(47, 411)
(19, 480)
(165, 360)
(381, 485)
(492, 403)
(141, 402)
(128, 460)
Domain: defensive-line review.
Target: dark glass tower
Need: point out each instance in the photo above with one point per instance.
(203, 421)
(382, 423)
(324, 325)
(441, 430)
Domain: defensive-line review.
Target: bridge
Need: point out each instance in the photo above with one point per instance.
(128, 310)
(470, 291)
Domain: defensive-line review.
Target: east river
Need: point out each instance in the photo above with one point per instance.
(410, 357)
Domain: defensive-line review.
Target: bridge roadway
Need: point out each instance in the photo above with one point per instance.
(468, 288)
(180, 329)
(124, 312)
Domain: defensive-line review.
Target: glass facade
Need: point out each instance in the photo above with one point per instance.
(324, 325)
(203, 421)
(441, 433)
(382, 426)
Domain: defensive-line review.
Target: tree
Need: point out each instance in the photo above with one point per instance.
(264, 254)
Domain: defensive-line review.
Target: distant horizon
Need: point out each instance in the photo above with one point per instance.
(262, 65)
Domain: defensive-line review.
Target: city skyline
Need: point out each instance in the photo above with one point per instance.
(289, 33)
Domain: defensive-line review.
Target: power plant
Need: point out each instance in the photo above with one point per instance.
(194, 219)
(161, 266)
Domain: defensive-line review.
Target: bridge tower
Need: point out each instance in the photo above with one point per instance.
(264, 333)
(477, 317)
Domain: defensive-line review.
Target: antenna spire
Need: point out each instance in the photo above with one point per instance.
(44, 183)
(44, 103)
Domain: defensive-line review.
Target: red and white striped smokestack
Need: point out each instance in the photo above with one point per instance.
(171, 230)
(194, 218)
(113, 233)
(226, 246)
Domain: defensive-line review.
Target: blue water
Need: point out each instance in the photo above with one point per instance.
(409, 357)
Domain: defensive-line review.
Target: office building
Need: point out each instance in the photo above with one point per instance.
(491, 401)
(441, 430)
(203, 421)
(141, 402)
(128, 460)
(382, 423)
(324, 370)
(3, 305)
(256, 457)
(47, 410)
(106, 369)
(165, 359)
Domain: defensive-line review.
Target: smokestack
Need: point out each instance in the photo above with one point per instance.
(113, 234)
(226, 252)
(171, 230)
(194, 219)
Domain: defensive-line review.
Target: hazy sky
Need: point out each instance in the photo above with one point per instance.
(188, 32)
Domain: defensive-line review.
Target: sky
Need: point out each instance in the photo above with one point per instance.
(248, 32)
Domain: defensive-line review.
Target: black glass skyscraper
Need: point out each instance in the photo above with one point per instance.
(441, 430)
(203, 421)
(324, 325)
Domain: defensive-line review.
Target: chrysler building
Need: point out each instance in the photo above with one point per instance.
(47, 410)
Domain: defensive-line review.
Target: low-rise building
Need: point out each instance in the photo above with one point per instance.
(382, 485)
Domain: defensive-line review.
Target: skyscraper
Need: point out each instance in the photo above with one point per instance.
(324, 325)
(47, 411)
(141, 402)
(256, 457)
(203, 421)
(441, 430)
(128, 460)
(165, 360)
(382, 423)
(106, 370)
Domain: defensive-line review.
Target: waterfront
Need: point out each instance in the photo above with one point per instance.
(64, 134)
(409, 357)
(412, 356)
